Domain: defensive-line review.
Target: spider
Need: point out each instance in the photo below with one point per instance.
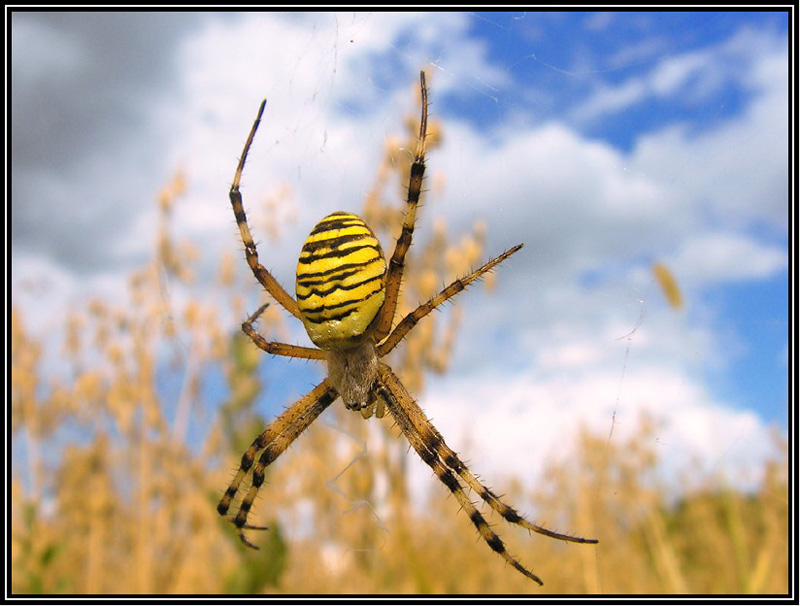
(346, 299)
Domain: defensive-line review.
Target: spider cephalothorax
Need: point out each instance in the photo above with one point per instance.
(346, 299)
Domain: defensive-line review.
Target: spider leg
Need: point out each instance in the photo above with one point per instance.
(274, 440)
(435, 442)
(407, 323)
(279, 349)
(394, 274)
(402, 407)
(259, 271)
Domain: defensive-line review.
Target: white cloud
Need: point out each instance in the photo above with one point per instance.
(570, 200)
(513, 426)
(672, 75)
(725, 257)
(611, 99)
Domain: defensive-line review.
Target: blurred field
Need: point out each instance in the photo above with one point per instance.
(110, 496)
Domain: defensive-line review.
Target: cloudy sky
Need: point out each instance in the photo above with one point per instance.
(603, 141)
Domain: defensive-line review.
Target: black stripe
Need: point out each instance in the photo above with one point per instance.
(325, 317)
(324, 292)
(331, 318)
(307, 255)
(497, 546)
(338, 223)
(332, 271)
(449, 480)
(325, 280)
(247, 458)
(432, 442)
(428, 456)
(322, 308)
(258, 472)
(333, 242)
(453, 462)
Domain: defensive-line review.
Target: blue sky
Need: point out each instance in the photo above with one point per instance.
(604, 141)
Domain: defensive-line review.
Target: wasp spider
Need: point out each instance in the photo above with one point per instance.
(346, 299)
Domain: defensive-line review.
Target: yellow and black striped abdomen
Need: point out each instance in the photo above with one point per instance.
(340, 281)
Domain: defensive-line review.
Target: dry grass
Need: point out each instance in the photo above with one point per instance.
(109, 496)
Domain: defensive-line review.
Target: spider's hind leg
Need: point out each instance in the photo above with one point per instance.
(273, 441)
(397, 401)
(435, 442)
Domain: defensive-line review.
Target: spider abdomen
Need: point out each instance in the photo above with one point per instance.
(340, 281)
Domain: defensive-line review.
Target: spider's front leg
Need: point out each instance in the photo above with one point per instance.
(394, 275)
(251, 254)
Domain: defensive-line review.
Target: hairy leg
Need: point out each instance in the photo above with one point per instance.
(274, 440)
(397, 401)
(435, 442)
(251, 254)
(279, 349)
(394, 274)
(407, 323)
